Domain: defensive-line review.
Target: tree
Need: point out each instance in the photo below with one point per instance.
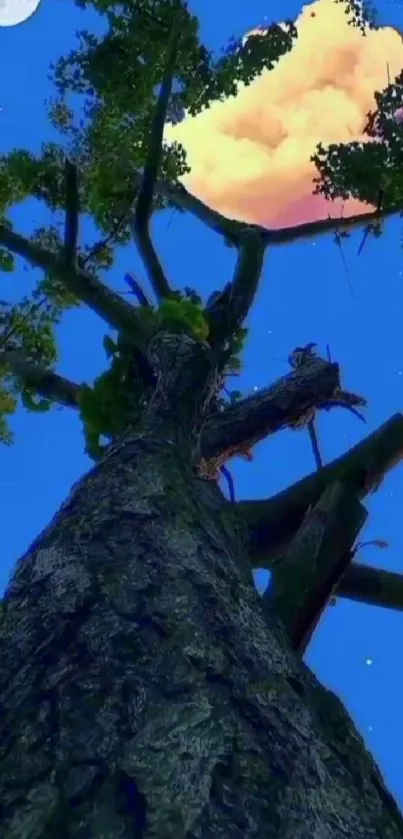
(135, 697)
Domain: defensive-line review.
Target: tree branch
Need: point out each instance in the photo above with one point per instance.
(372, 586)
(273, 522)
(102, 300)
(72, 212)
(177, 195)
(102, 243)
(45, 382)
(285, 403)
(314, 562)
(314, 443)
(138, 292)
(143, 208)
(231, 229)
(225, 316)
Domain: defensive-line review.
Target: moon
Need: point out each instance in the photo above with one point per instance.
(13, 12)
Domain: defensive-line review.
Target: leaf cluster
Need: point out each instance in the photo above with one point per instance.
(26, 327)
(114, 401)
(369, 171)
(118, 75)
(361, 14)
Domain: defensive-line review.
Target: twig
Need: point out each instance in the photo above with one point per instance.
(314, 443)
(344, 399)
(376, 225)
(99, 246)
(337, 239)
(230, 482)
(136, 289)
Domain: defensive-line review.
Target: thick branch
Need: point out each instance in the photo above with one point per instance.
(143, 209)
(273, 522)
(177, 195)
(284, 403)
(72, 212)
(226, 319)
(314, 563)
(373, 586)
(46, 383)
(231, 229)
(102, 300)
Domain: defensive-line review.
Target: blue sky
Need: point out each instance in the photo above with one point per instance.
(304, 296)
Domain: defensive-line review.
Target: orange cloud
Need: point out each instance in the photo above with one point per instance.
(249, 156)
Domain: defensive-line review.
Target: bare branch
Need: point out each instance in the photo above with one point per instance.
(137, 290)
(231, 229)
(45, 382)
(177, 195)
(273, 522)
(144, 204)
(102, 300)
(226, 318)
(373, 586)
(72, 212)
(345, 399)
(314, 443)
(228, 477)
(285, 403)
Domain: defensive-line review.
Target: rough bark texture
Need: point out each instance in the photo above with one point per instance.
(144, 691)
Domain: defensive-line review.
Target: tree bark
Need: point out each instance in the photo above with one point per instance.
(144, 690)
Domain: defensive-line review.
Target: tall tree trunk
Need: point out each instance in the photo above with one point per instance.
(144, 691)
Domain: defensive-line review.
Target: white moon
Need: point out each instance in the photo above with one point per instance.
(16, 11)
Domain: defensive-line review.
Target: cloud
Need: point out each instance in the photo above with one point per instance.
(249, 155)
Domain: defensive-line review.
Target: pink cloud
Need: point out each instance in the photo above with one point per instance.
(250, 155)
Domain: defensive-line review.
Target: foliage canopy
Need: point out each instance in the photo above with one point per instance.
(95, 171)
